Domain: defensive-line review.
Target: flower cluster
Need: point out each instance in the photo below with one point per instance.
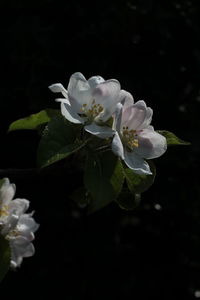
(94, 101)
(16, 225)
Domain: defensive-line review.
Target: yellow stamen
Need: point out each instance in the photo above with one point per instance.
(4, 211)
(129, 138)
(94, 110)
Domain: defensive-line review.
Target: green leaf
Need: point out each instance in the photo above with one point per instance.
(34, 121)
(138, 184)
(57, 142)
(172, 139)
(103, 179)
(5, 257)
(81, 197)
(128, 201)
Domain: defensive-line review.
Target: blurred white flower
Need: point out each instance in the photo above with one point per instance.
(134, 139)
(90, 102)
(17, 226)
(197, 294)
(20, 238)
(8, 206)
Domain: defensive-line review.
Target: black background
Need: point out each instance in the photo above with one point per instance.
(153, 49)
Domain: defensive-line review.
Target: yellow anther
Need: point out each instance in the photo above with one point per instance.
(4, 211)
(135, 143)
(129, 138)
(92, 111)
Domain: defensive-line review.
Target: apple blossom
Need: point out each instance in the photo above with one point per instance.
(20, 236)
(15, 225)
(8, 206)
(90, 102)
(135, 140)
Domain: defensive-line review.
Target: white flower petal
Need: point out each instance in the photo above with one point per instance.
(126, 99)
(94, 81)
(136, 163)
(58, 88)
(117, 146)
(147, 119)
(62, 100)
(27, 223)
(18, 206)
(102, 132)
(9, 224)
(151, 143)
(15, 261)
(30, 250)
(7, 192)
(134, 116)
(20, 247)
(79, 92)
(107, 95)
(71, 115)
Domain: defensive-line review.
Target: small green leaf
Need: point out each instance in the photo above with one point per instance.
(138, 184)
(103, 179)
(34, 121)
(57, 142)
(5, 257)
(172, 139)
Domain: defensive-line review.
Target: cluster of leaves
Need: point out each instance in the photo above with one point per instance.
(105, 178)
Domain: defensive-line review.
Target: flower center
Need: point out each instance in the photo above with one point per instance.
(4, 211)
(12, 234)
(129, 138)
(92, 111)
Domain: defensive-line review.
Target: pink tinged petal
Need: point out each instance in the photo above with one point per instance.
(134, 115)
(7, 192)
(136, 163)
(107, 95)
(94, 81)
(126, 99)
(79, 92)
(68, 112)
(117, 146)
(151, 143)
(147, 120)
(102, 132)
(58, 88)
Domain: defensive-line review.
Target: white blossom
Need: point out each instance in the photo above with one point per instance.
(8, 206)
(135, 140)
(20, 238)
(90, 102)
(17, 226)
